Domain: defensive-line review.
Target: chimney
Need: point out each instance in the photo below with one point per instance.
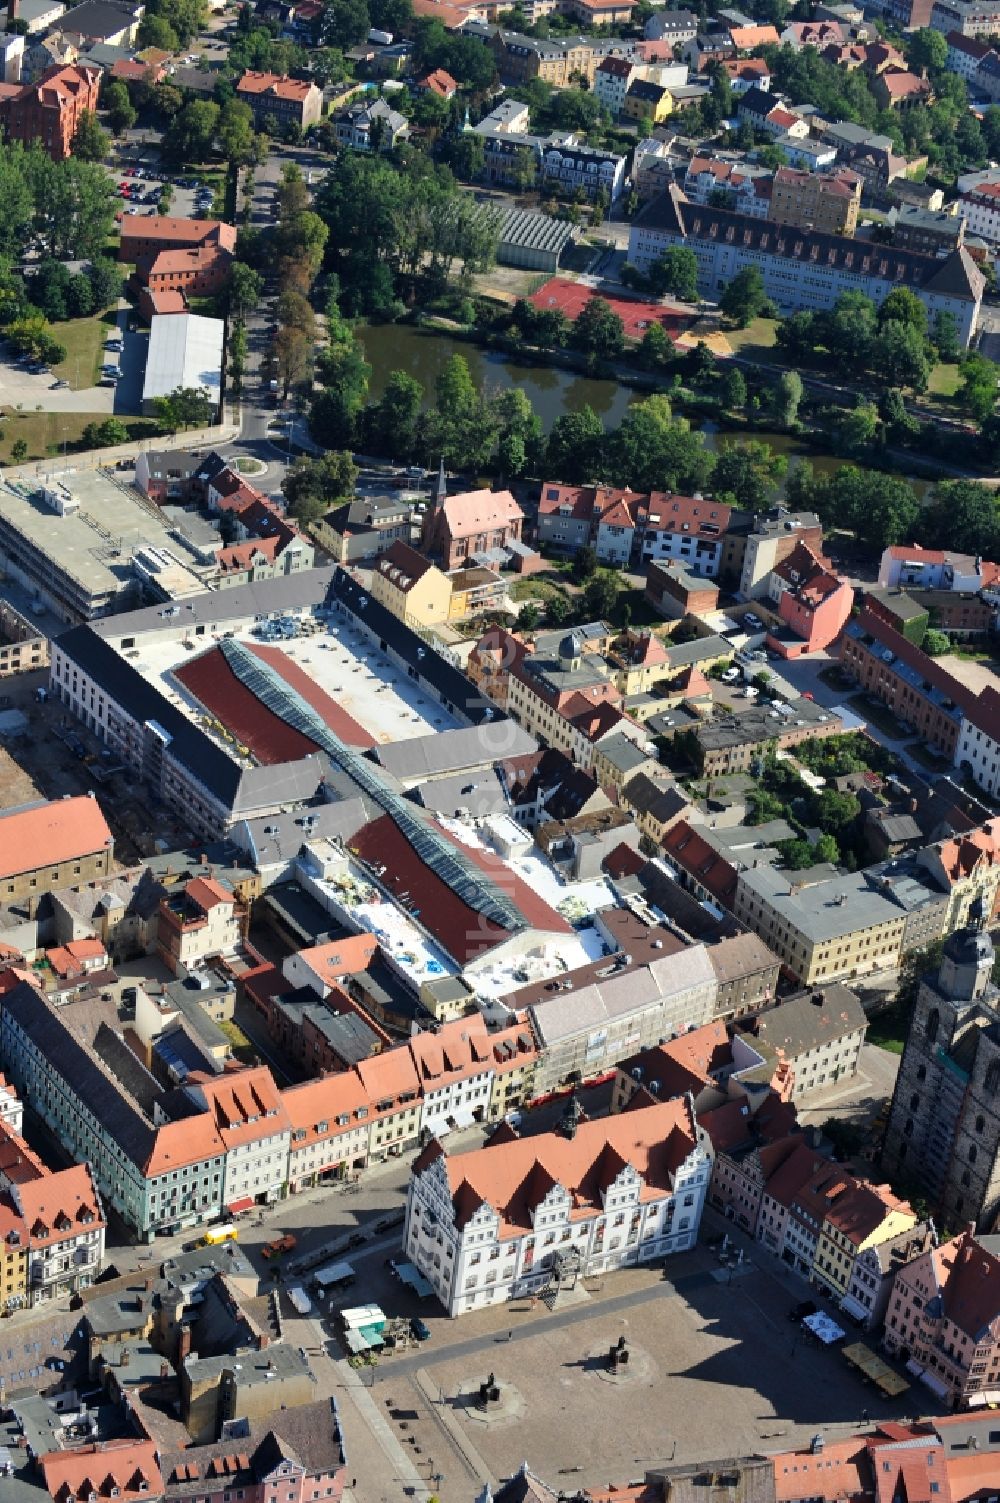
(13, 10)
(183, 1343)
(263, 1340)
(148, 1284)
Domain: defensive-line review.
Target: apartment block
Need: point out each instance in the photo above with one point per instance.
(834, 930)
(825, 201)
(803, 268)
(288, 101)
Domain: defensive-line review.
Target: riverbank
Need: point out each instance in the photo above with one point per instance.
(558, 382)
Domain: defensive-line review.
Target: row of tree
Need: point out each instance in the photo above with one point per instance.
(894, 344)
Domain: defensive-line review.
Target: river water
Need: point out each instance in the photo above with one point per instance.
(424, 353)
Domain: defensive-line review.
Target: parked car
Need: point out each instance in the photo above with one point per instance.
(280, 1245)
(59, 386)
(419, 1330)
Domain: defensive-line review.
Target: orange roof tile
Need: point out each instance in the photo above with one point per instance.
(131, 1466)
(513, 1177)
(48, 834)
(208, 893)
(278, 84)
(59, 1205)
(185, 1142)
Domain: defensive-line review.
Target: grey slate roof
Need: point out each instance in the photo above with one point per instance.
(461, 750)
(67, 1057)
(811, 1019)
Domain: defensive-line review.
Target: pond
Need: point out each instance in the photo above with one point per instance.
(424, 353)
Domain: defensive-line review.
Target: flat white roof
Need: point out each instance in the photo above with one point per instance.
(184, 350)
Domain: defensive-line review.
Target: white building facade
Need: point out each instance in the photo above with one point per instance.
(649, 1205)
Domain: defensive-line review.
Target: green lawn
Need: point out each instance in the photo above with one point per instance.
(533, 588)
(944, 381)
(45, 432)
(758, 336)
(84, 340)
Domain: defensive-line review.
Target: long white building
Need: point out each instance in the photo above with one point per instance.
(803, 268)
(504, 1221)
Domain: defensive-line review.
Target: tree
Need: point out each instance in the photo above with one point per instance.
(978, 385)
(675, 272)
(901, 354)
(655, 349)
(745, 299)
(857, 426)
(528, 617)
(344, 24)
(79, 296)
(902, 305)
(19, 450)
(944, 336)
(849, 329)
(105, 435)
(106, 282)
(122, 114)
(653, 450)
(846, 1138)
(465, 155)
(746, 474)
(598, 331)
(244, 290)
(961, 515)
(572, 453)
(312, 486)
(786, 398)
(235, 131)
(154, 31)
(927, 49)
(584, 564)
(600, 596)
(394, 420)
(936, 642)
(734, 390)
(184, 407)
(91, 143)
(190, 135)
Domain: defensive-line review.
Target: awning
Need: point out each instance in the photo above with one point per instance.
(935, 1384)
(988, 1399)
(245, 1203)
(854, 1308)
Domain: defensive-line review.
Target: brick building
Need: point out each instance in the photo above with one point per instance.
(49, 109)
(913, 685)
(49, 845)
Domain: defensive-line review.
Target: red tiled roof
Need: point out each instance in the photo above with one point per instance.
(60, 1205)
(461, 931)
(438, 82)
(692, 852)
(214, 684)
(130, 1466)
(49, 834)
(514, 1176)
(278, 84)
